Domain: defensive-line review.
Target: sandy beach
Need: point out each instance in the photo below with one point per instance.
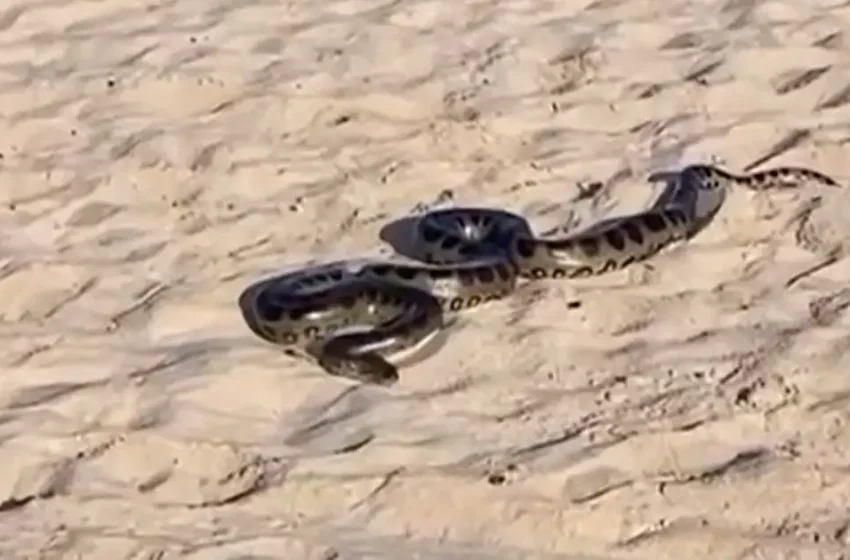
(156, 158)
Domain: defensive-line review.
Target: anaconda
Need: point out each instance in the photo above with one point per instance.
(352, 317)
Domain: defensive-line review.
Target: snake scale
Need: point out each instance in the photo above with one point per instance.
(351, 316)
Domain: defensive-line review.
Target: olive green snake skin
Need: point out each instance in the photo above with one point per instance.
(351, 316)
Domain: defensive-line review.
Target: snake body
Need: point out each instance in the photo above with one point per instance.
(350, 317)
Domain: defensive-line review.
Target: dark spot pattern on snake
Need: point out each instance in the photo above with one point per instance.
(615, 239)
(430, 234)
(609, 265)
(677, 216)
(406, 273)
(589, 246)
(582, 271)
(653, 222)
(503, 272)
(525, 248)
(485, 274)
(450, 242)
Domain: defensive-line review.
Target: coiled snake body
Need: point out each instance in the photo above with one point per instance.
(351, 316)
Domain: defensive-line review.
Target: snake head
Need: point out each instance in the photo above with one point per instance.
(369, 369)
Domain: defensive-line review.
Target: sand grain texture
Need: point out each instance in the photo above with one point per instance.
(156, 157)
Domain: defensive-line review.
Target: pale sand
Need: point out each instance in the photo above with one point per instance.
(156, 157)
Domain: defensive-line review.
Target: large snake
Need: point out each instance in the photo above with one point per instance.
(352, 316)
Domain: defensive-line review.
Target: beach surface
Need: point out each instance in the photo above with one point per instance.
(157, 157)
